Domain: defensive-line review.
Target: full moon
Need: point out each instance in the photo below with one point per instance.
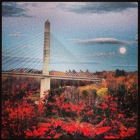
(122, 50)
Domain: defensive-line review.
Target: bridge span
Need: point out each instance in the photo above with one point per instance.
(42, 76)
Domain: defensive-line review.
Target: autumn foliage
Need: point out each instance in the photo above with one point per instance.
(55, 116)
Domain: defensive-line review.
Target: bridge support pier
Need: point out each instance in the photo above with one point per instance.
(45, 85)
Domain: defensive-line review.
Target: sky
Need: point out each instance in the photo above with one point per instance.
(84, 35)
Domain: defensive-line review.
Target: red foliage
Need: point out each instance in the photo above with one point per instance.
(29, 134)
(128, 133)
(18, 117)
(103, 106)
(120, 116)
(122, 134)
(106, 98)
(128, 119)
(102, 130)
(90, 112)
(57, 123)
(70, 128)
(110, 137)
(57, 136)
(24, 85)
(85, 131)
(113, 108)
(43, 129)
(54, 110)
(52, 132)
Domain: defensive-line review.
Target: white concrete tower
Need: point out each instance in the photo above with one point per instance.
(45, 82)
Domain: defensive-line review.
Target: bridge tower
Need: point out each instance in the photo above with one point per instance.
(45, 82)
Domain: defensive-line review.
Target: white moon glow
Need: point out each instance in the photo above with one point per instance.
(122, 50)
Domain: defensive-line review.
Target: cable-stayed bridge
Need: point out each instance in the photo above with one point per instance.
(30, 59)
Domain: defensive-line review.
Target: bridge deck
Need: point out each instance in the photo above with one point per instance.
(34, 75)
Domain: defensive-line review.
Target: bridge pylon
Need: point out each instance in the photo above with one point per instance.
(45, 82)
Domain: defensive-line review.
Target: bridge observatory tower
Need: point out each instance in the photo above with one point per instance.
(45, 82)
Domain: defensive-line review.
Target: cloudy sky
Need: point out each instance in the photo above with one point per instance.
(84, 35)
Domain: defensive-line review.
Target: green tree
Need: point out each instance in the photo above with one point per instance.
(120, 73)
(121, 90)
(84, 94)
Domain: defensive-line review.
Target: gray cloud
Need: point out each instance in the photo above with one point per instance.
(98, 7)
(34, 4)
(12, 9)
(103, 54)
(16, 35)
(101, 41)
